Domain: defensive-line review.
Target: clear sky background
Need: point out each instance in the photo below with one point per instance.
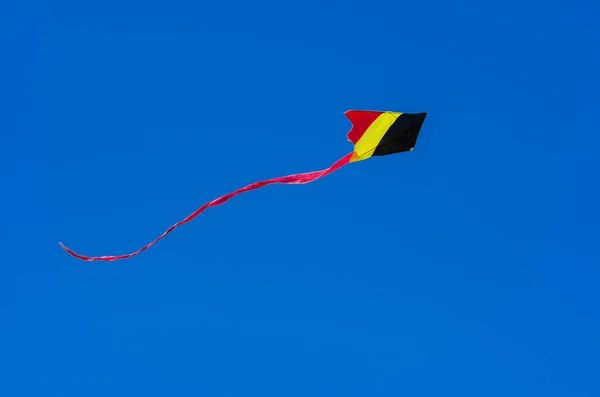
(469, 267)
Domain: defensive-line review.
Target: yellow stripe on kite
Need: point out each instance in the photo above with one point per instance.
(366, 145)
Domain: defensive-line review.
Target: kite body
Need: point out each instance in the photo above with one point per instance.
(383, 133)
(373, 133)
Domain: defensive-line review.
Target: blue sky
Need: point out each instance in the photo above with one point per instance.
(472, 269)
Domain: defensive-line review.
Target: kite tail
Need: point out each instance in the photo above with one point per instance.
(290, 179)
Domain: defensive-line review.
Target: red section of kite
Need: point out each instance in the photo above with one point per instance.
(361, 120)
(290, 179)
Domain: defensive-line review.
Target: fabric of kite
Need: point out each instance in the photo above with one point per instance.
(373, 133)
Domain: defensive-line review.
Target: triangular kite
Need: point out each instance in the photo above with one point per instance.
(373, 133)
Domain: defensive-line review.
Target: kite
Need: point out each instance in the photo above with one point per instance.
(373, 133)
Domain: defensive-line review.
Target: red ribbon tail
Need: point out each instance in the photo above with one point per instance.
(289, 179)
